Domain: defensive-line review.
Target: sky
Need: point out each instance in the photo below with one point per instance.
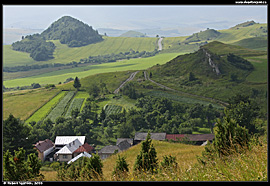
(187, 18)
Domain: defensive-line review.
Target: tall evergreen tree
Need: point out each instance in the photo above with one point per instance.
(77, 83)
(15, 134)
(147, 159)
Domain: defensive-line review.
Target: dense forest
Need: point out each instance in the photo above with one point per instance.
(72, 32)
(37, 46)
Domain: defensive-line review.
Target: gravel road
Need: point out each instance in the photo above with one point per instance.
(159, 44)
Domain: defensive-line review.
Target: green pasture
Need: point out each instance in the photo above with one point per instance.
(61, 75)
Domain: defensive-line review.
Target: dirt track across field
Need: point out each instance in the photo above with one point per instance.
(131, 77)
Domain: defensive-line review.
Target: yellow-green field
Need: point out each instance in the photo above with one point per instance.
(23, 103)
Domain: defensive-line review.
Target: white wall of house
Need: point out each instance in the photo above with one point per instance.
(46, 152)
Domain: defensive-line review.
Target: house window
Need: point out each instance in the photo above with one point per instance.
(64, 156)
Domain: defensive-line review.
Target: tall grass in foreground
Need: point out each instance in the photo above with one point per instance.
(250, 165)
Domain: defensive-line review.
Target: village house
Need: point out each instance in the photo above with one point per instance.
(44, 148)
(61, 141)
(66, 153)
(75, 148)
(121, 145)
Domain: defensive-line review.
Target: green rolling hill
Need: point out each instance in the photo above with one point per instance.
(216, 70)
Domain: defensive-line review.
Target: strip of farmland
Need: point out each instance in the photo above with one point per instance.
(41, 113)
(60, 107)
(75, 104)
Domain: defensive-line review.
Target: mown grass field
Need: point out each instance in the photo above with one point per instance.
(233, 35)
(61, 75)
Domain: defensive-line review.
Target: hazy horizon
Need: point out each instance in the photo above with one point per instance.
(180, 20)
(134, 16)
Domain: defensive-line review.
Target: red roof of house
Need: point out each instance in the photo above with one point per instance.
(175, 137)
(44, 145)
(85, 148)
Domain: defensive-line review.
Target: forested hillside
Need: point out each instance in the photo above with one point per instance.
(68, 30)
(72, 32)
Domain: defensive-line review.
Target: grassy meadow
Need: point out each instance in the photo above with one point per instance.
(24, 103)
(61, 75)
(65, 54)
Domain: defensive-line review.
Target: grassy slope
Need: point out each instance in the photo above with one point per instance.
(233, 35)
(248, 166)
(172, 74)
(15, 58)
(65, 54)
(230, 36)
(185, 154)
(61, 75)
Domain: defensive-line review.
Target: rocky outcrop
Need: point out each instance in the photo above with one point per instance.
(211, 63)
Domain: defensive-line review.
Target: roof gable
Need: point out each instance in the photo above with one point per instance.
(123, 145)
(84, 148)
(129, 140)
(70, 148)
